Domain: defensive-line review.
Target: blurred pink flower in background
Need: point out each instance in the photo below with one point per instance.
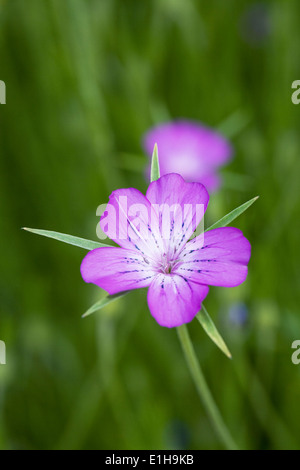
(191, 149)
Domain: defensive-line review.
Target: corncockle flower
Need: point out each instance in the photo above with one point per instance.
(190, 149)
(155, 251)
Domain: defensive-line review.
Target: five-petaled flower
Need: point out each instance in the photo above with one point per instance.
(161, 256)
(191, 149)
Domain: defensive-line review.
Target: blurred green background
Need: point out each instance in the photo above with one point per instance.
(85, 79)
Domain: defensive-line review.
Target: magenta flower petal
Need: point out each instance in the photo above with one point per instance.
(172, 189)
(221, 261)
(126, 221)
(190, 149)
(174, 300)
(116, 269)
(188, 200)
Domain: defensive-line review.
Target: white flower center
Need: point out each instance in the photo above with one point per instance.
(165, 265)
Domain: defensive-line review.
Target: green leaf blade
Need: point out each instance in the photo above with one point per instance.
(103, 302)
(228, 218)
(155, 171)
(65, 238)
(211, 330)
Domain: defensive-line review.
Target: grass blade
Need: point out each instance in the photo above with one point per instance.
(103, 302)
(210, 328)
(232, 215)
(234, 124)
(155, 171)
(70, 239)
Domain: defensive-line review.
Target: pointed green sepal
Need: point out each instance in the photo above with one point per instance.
(155, 171)
(103, 302)
(210, 328)
(228, 218)
(70, 239)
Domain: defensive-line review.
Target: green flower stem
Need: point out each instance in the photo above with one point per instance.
(203, 390)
